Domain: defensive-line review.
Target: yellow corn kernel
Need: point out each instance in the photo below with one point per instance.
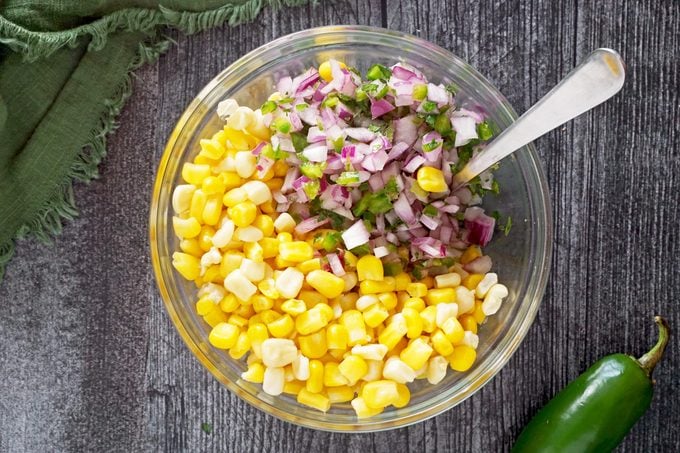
(294, 307)
(284, 236)
(450, 280)
(310, 265)
(347, 301)
(394, 332)
(314, 383)
(311, 321)
(191, 247)
(416, 289)
(401, 281)
(270, 247)
(353, 368)
(230, 262)
(254, 373)
(280, 263)
(212, 210)
(195, 173)
(428, 282)
(353, 321)
(237, 320)
(261, 303)
(312, 298)
(186, 228)
(416, 354)
(325, 71)
(431, 179)
(471, 253)
(332, 376)
(213, 185)
(351, 280)
(375, 315)
(205, 237)
(234, 196)
(229, 303)
(326, 310)
(215, 317)
(340, 394)
(212, 149)
(404, 396)
(230, 180)
(479, 314)
(187, 265)
(389, 300)
(265, 224)
(205, 305)
(472, 280)
(469, 323)
(294, 387)
(268, 207)
(273, 183)
(313, 346)
(429, 317)
(362, 410)
(374, 287)
(237, 139)
(416, 303)
(224, 335)
(462, 358)
(254, 251)
(296, 251)
(441, 296)
(212, 274)
(350, 260)
(370, 267)
(241, 347)
(243, 214)
(269, 316)
(282, 327)
(440, 343)
(337, 337)
(379, 394)
(327, 284)
(414, 323)
(453, 330)
(198, 201)
(203, 160)
(280, 168)
(257, 333)
(314, 400)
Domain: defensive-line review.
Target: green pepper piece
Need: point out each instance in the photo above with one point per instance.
(595, 412)
(392, 269)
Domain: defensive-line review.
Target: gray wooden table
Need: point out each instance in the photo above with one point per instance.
(89, 360)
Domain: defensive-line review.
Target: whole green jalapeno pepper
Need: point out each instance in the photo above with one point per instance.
(596, 411)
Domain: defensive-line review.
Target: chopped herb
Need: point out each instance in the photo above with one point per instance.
(475, 186)
(442, 124)
(301, 106)
(484, 131)
(392, 269)
(508, 225)
(417, 272)
(378, 72)
(313, 170)
(268, 107)
(271, 153)
(431, 146)
(430, 211)
(330, 101)
(348, 177)
(207, 428)
(281, 124)
(361, 250)
(460, 216)
(360, 95)
(452, 88)
(429, 106)
(329, 241)
(338, 143)
(496, 215)
(285, 100)
(337, 221)
(374, 128)
(383, 91)
(299, 141)
(495, 187)
(420, 92)
(379, 202)
(431, 120)
(364, 186)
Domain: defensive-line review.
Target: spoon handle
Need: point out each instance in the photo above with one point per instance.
(594, 81)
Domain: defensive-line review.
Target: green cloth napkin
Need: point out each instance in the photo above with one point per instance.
(64, 76)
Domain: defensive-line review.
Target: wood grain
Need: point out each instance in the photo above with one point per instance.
(90, 361)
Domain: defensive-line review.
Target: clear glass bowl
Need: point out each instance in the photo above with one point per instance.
(521, 259)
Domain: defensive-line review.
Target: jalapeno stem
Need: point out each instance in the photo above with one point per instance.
(651, 358)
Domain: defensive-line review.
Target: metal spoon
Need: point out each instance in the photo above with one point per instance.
(596, 79)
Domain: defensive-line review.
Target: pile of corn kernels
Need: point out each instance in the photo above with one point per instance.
(303, 331)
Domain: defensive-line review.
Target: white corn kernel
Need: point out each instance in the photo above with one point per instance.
(274, 380)
(366, 301)
(351, 280)
(445, 312)
(248, 234)
(253, 358)
(374, 372)
(181, 197)
(245, 163)
(370, 351)
(252, 270)
(465, 299)
(258, 192)
(213, 292)
(289, 283)
(288, 375)
(241, 118)
(470, 339)
(226, 108)
(436, 369)
(450, 280)
(398, 371)
(493, 299)
(278, 352)
(487, 282)
(212, 256)
(223, 236)
(284, 223)
(301, 367)
(421, 373)
(239, 285)
(225, 165)
(337, 310)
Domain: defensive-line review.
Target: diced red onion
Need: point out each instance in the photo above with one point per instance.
(291, 176)
(335, 264)
(264, 164)
(376, 182)
(282, 207)
(334, 164)
(480, 229)
(317, 152)
(450, 208)
(402, 71)
(465, 128)
(300, 182)
(284, 85)
(344, 112)
(355, 235)
(295, 122)
(310, 224)
(315, 135)
(429, 222)
(404, 210)
(380, 222)
(380, 107)
(309, 115)
(405, 130)
(381, 251)
(375, 162)
(305, 80)
(335, 132)
(473, 212)
(437, 93)
(391, 237)
(414, 164)
(480, 265)
(258, 149)
(397, 151)
(445, 234)
(362, 134)
(279, 197)
(478, 117)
